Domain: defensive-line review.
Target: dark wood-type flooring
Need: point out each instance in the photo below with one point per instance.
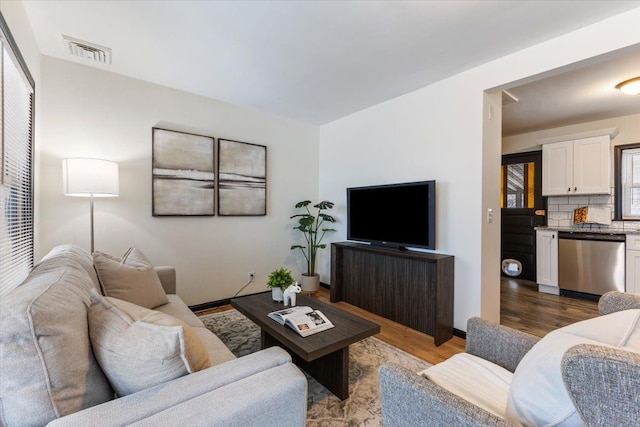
(522, 308)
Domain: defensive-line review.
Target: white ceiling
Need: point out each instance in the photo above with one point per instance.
(313, 61)
(583, 93)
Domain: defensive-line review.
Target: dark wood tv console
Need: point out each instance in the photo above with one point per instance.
(408, 287)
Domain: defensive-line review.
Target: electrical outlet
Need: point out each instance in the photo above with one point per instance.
(251, 276)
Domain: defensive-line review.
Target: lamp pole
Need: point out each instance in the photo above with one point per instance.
(91, 205)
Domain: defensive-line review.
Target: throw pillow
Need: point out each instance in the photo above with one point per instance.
(130, 278)
(138, 348)
(537, 395)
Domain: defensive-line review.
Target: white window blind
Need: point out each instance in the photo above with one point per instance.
(630, 180)
(16, 177)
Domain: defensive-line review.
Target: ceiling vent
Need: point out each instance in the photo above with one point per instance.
(508, 98)
(87, 50)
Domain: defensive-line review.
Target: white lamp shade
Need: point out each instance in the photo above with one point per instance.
(85, 177)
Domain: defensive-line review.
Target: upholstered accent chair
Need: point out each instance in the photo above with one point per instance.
(587, 373)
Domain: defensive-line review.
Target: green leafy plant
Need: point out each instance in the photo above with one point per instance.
(311, 228)
(280, 278)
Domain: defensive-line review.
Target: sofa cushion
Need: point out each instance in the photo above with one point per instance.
(475, 380)
(47, 366)
(538, 395)
(76, 253)
(177, 308)
(130, 278)
(139, 348)
(218, 352)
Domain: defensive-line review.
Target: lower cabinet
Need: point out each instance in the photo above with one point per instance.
(547, 261)
(632, 281)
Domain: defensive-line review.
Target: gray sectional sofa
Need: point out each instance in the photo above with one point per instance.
(49, 375)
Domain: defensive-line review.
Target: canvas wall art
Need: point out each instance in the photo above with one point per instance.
(183, 174)
(242, 178)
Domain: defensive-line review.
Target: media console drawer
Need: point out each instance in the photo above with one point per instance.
(414, 289)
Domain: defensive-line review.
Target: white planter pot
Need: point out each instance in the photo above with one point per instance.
(310, 284)
(277, 294)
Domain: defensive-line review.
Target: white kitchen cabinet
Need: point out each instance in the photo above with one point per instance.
(632, 280)
(580, 166)
(547, 261)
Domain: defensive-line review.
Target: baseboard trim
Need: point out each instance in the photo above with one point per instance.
(210, 304)
(214, 304)
(227, 301)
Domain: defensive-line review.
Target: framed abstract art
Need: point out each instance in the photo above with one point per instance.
(183, 174)
(242, 178)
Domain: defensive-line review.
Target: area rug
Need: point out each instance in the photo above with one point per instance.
(362, 408)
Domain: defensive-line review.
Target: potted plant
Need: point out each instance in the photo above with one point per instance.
(311, 227)
(279, 280)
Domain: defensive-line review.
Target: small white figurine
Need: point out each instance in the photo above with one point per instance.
(290, 294)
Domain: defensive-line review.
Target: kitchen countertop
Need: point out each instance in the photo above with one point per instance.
(598, 230)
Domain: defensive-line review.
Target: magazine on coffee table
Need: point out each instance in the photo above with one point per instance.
(302, 319)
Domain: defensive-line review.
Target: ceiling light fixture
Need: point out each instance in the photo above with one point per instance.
(630, 87)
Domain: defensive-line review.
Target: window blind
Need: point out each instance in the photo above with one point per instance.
(630, 180)
(16, 168)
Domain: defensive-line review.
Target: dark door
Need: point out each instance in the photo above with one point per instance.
(522, 209)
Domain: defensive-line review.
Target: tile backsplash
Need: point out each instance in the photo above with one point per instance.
(560, 211)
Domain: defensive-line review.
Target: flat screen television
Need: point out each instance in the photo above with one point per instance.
(393, 215)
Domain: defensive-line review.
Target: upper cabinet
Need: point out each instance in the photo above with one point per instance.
(557, 168)
(579, 165)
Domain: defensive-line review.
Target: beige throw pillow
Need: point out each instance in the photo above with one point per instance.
(131, 278)
(139, 348)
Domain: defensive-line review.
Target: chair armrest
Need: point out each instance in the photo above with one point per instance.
(603, 383)
(617, 301)
(411, 400)
(146, 403)
(498, 344)
(167, 277)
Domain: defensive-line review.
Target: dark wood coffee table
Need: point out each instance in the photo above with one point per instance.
(325, 355)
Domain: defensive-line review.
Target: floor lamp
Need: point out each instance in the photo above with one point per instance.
(91, 178)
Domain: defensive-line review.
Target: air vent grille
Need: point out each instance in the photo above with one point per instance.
(87, 50)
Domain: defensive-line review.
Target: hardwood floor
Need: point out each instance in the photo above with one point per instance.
(413, 342)
(522, 308)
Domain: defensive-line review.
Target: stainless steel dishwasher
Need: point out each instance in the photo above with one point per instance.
(591, 263)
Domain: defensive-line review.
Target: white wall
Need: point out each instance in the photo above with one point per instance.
(628, 133)
(437, 133)
(492, 222)
(93, 113)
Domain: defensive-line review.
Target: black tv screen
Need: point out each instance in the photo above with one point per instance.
(394, 215)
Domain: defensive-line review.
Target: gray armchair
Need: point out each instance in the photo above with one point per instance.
(603, 382)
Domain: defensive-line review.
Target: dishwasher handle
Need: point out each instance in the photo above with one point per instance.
(604, 237)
